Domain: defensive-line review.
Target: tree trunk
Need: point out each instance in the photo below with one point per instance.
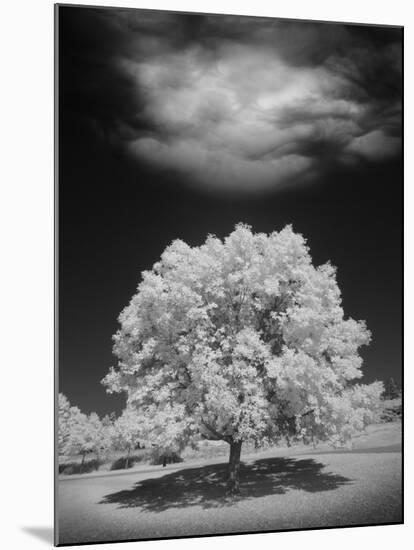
(83, 462)
(127, 458)
(233, 481)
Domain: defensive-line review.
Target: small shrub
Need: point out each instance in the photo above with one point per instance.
(392, 410)
(73, 468)
(121, 463)
(391, 415)
(164, 459)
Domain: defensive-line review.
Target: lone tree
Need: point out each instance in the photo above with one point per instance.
(242, 340)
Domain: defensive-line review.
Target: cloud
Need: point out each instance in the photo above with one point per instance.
(233, 103)
(375, 145)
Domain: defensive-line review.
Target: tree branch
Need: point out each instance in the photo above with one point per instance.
(216, 434)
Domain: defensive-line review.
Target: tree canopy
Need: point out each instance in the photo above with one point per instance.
(242, 339)
(79, 433)
(127, 430)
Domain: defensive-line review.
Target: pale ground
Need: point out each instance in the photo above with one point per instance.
(281, 489)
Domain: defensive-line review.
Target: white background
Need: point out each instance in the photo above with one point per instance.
(26, 270)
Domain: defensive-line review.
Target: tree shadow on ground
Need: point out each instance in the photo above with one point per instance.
(206, 486)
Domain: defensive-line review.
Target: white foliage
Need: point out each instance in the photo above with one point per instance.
(64, 422)
(127, 430)
(242, 339)
(79, 433)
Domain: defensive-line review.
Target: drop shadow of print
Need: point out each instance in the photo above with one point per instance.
(206, 486)
(45, 534)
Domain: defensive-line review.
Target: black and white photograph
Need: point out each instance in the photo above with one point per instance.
(229, 274)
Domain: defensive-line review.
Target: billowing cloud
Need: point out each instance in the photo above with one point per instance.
(252, 104)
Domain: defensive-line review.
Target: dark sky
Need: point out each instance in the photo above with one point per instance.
(176, 126)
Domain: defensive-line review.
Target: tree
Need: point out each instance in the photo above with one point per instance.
(79, 433)
(127, 431)
(64, 422)
(242, 340)
(391, 389)
(87, 435)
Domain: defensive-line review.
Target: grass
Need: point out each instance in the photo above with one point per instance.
(281, 489)
(206, 486)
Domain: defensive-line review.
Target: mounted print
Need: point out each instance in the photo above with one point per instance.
(229, 274)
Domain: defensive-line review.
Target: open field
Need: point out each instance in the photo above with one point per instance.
(281, 489)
